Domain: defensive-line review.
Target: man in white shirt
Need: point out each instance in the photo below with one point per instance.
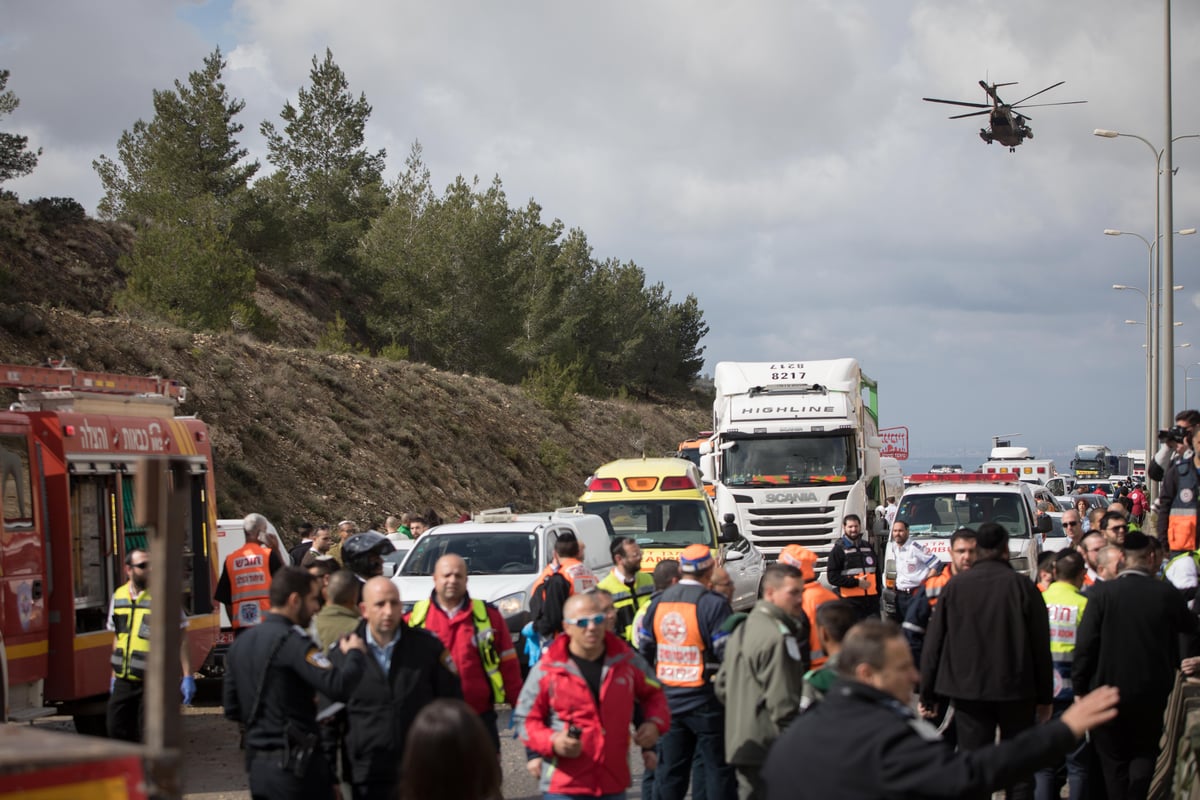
(889, 511)
(913, 565)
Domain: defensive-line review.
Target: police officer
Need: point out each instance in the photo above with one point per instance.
(273, 673)
(246, 577)
(129, 618)
(682, 633)
(629, 586)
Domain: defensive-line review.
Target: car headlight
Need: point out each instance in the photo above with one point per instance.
(511, 605)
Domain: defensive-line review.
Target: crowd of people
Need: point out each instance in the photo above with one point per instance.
(817, 691)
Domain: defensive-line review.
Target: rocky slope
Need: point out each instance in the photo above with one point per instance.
(305, 434)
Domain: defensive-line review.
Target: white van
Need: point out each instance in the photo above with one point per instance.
(505, 554)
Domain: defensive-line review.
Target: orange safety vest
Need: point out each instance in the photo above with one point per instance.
(815, 595)
(1181, 526)
(680, 648)
(249, 571)
(934, 583)
(579, 578)
(863, 560)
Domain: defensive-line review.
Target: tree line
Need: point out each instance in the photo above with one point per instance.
(460, 278)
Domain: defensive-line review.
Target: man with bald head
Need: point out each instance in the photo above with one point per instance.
(407, 668)
(560, 716)
(477, 637)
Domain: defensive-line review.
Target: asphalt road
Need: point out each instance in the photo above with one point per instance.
(213, 768)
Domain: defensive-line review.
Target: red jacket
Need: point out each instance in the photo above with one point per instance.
(458, 635)
(556, 696)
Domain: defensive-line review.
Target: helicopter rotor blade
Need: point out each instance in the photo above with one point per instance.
(972, 114)
(1042, 105)
(1035, 94)
(991, 91)
(957, 103)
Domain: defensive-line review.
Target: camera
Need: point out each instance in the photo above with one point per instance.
(1175, 435)
(574, 732)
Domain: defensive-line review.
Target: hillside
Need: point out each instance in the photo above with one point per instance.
(305, 434)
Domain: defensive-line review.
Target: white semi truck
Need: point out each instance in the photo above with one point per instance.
(795, 447)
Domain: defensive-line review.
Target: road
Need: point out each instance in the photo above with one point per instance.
(212, 763)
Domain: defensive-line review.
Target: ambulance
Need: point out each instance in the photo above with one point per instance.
(661, 503)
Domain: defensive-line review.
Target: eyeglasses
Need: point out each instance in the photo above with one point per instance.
(1118, 528)
(142, 565)
(583, 622)
(1070, 524)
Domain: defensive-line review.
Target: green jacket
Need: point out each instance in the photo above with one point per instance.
(761, 680)
(334, 621)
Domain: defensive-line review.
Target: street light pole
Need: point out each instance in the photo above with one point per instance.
(1151, 429)
(1185, 381)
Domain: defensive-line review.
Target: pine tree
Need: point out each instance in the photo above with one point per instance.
(327, 187)
(15, 157)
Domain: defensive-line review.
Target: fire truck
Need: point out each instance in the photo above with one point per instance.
(69, 450)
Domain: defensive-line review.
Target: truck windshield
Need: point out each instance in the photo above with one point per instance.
(657, 523)
(803, 460)
(938, 515)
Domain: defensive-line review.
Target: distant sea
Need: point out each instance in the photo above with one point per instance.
(971, 462)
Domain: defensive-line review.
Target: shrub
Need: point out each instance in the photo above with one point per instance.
(554, 386)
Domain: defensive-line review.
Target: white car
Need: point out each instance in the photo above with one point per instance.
(505, 553)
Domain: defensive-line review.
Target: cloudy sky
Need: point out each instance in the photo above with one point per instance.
(773, 158)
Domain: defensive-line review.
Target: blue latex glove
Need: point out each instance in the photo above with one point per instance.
(188, 687)
(112, 682)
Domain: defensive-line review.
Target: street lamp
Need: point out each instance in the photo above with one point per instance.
(1185, 381)
(1166, 272)
(1153, 329)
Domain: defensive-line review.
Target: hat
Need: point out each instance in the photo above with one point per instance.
(1136, 540)
(695, 558)
(991, 536)
(801, 558)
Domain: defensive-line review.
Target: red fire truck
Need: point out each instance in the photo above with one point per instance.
(69, 450)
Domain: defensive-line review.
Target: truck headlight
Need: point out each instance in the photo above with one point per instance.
(511, 605)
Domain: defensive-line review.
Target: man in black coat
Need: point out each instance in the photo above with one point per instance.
(1129, 638)
(407, 668)
(988, 651)
(863, 741)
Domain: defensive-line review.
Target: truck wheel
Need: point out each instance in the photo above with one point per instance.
(91, 724)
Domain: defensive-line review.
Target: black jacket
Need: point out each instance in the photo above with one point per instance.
(288, 683)
(1129, 637)
(380, 711)
(988, 639)
(869, 745)
(845, 554)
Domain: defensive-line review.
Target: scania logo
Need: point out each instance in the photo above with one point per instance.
(791, 497)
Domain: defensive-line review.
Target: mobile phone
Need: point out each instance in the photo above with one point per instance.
(574, 732)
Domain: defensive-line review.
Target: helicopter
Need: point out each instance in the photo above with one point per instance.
(1006, 125)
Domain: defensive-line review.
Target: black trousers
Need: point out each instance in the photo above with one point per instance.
(124, 713)
(270, 781)
(976, 722)
(864, 605)
(1127, 747)
(491, 722)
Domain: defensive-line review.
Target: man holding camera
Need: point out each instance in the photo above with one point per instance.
(1177, 513)
(576, 707)
(1174, 445)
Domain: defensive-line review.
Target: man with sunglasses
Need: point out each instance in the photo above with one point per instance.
(1072, 526)
(1114, 526)
(576, 707)
(129, 618)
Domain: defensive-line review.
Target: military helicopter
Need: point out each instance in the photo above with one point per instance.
(1005, 124)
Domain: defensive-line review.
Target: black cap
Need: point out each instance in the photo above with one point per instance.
(1136, 540)
(991, 536)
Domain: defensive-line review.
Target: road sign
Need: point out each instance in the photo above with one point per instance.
(895, 442)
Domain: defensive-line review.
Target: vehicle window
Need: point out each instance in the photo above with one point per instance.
(663, 523)
(486, 553)
(790, 461)
(937, 515)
